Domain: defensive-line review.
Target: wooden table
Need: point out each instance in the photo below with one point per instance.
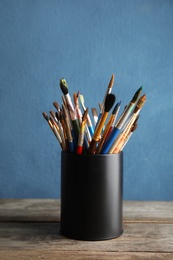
(29, 229)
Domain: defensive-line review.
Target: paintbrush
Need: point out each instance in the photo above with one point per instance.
(100, 114)
(56, 131)
(54, 118)
(53, 114)
(129, 108)
(82, 133)
(77, 108)
(53, 128)
(60, 119)
(115, 112)
(68, 129)
(109, 101)
(109, 126)
(47, 119)
(95, 115)
(73, 116)
(62, 122)
(116, 147)
(134, 127)
(56, 105)
(116, 130)
(89, 123)
(88, 128)
(109, 89)
(122, 136)
(54, 124)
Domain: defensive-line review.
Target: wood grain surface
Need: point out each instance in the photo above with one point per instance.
(29, 229)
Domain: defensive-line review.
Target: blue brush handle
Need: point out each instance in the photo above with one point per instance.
(91, 130)
(109, 142)
(74, 137)
(71, 147)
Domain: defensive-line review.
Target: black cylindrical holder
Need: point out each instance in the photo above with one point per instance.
(91, 196)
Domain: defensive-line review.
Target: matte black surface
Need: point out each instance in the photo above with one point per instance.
(91, 196)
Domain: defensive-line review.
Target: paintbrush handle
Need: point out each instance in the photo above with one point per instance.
(126, 113)
(76, 127)
(100, 125)
(91, 130)
(105, 133)
(71, 146)
(92, 146)
(110, 140)
(56, 133)
(88, 135)
(79, 149)
(98, 119)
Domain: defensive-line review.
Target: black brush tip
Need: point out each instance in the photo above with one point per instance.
(64, 86)
(109, 101)
(136, 95)
(116, 108)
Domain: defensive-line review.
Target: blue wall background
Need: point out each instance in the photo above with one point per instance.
(85, 42)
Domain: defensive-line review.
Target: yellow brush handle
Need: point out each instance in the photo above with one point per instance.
(100, 125)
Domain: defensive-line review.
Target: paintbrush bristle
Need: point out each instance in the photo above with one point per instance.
(84, 118)
(64, 86)
(134, 127)
(140, 103)
(111, 82)
(101, 107)
(52, 113)
(81, 97)
(52, 120)
(45, 116)
(94, 111)
(109, 101)
(116, 107)
(136, 95)
(56, 105)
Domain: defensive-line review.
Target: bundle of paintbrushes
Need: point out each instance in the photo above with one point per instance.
(73, 128)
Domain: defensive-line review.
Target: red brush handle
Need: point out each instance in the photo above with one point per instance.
(79, 150)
